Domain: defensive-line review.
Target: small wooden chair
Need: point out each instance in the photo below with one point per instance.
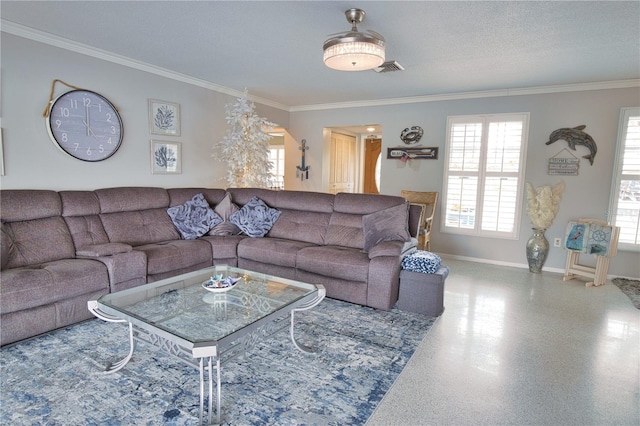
(426, 200)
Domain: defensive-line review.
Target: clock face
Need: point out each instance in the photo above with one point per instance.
(85, 125)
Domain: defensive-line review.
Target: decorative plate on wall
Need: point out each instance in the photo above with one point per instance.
(411, 135)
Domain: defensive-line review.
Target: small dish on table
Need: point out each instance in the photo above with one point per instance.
(219, 283)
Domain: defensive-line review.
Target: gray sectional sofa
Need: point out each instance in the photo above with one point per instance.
(63, 248)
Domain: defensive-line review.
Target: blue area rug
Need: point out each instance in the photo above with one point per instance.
(57, 379)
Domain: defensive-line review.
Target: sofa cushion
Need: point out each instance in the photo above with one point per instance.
(5, 246)
(27, 204)
(224, 209)
(255, 218)
(338, 262)
(345, 227)
(86, 230)
(194, 218)
(271, 250)
(38, 241)
(307, 226)
(345, 230)
(131, 199)
(174, 255)
(242, 196)
(177, 196)
(79, 203)
(31, 286)
(139, 227)
(390, 224)
(224, 246)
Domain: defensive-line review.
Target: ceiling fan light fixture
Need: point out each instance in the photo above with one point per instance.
(354, 50)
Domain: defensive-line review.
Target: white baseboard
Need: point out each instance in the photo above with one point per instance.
(496, 262)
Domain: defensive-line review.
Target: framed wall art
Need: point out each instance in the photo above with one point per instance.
(166, 157)
(164, 118)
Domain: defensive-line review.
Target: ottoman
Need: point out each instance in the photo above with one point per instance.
(422, 293)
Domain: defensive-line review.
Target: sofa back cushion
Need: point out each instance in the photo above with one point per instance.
(305, 216)
(139, 227)
(242, 196)
(33, 231)
(345, 226)
(130, 199)
(179, 196)
(32, 242)
(81, 210)
(136, 215)
(27, 204)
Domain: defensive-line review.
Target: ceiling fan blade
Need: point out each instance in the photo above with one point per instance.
(376, 34)
(341, 34)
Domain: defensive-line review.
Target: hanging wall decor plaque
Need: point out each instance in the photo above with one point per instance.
(411, 135)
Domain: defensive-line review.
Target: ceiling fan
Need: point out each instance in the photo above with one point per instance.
(354, 50)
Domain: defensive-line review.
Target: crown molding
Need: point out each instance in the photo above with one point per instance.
(538, 90)
(63, 43)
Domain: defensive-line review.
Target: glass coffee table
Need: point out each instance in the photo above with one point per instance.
(205, 327)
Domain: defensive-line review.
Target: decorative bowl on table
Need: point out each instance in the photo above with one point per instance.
(219, 283)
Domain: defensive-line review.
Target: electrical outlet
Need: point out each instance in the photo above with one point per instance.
(557, 242)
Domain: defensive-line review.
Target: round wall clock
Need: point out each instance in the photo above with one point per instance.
(85, 125)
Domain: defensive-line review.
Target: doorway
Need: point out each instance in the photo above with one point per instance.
(352, 156)
(372, 156)
(343, 165)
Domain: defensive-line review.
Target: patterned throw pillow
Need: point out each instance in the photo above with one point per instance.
(193, 218)
(422, 261)
(255, 218)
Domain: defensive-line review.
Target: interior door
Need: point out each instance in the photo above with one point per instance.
(342, 169)
(372, 150)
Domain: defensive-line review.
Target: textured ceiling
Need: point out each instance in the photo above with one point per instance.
(274, 48)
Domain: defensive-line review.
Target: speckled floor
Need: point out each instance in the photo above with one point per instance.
(518, 348)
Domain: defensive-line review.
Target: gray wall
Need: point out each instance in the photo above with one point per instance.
(586, 195)
(33, 161)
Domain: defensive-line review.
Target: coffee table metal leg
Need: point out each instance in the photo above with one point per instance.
(314, 302)
(112, 368)
(209, 369)
(92, 305)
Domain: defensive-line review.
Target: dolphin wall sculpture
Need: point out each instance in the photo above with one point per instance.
(575, 136)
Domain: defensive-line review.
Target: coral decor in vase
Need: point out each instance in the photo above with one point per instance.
(542, 206)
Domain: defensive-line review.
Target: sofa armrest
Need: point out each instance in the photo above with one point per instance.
(384, 282)
(100, 250)
(125, 270)
(386, 248)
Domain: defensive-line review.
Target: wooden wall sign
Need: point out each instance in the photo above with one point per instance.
(565, 166)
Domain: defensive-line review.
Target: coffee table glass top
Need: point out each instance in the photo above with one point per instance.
(183, 308)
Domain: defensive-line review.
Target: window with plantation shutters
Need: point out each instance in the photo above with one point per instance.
(625, 197)
(483, 176)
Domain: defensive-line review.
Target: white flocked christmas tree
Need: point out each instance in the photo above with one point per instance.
(245, 148)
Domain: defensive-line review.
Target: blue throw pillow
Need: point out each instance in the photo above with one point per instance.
(193, 218)
(255, 218)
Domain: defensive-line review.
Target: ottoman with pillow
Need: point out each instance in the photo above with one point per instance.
(422, 283)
